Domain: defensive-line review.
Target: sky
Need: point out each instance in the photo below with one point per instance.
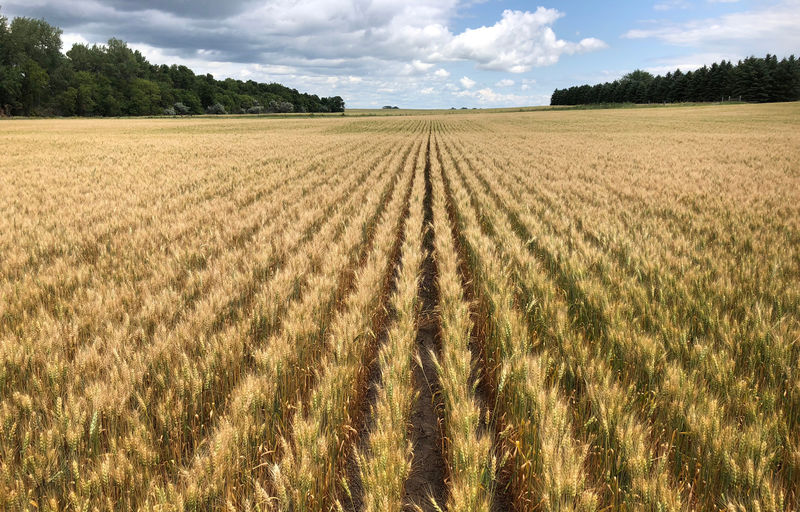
(429, 54)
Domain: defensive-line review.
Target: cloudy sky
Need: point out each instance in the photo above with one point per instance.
(429, 53)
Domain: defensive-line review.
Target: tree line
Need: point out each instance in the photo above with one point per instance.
(36, 79)
(753, 79)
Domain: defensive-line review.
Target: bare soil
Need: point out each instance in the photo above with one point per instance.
(428, 467)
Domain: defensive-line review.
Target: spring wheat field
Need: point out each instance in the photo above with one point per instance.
(563, 310)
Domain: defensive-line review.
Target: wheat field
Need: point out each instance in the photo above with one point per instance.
(554, 310)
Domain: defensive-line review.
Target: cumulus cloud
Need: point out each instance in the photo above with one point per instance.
(521, 40)
(487, 96)
(415, 33)
(303, 43)
(467, 83)
(192, 9)
(505, 83)
(416, 67)
(69, 39)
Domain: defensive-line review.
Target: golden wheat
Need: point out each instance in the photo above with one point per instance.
(226, 314)
(385, 463)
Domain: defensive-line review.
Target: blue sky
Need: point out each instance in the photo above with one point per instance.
(659, 50)
(424, 54)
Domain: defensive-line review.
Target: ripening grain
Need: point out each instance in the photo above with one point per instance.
(226, 314)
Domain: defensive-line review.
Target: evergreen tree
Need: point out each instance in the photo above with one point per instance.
(752, 79)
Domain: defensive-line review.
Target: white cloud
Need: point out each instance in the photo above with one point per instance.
(422, 66)
(68, 39)
(467, 83)
(527, 83)
(327, 32)
(487, 96)
(368, 46)
(668, 5)
(415, 68)
(517, 43)
(204, 63)
(427, 90)
(687, 62)
(505, 83)
(772, 29)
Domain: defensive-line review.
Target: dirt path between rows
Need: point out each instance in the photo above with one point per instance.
(428, 467)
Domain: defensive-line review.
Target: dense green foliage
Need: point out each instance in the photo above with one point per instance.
(113, 80)
(752, 79)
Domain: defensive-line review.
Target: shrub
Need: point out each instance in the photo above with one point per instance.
(181, 109)
(216, 109)
(281, 107)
